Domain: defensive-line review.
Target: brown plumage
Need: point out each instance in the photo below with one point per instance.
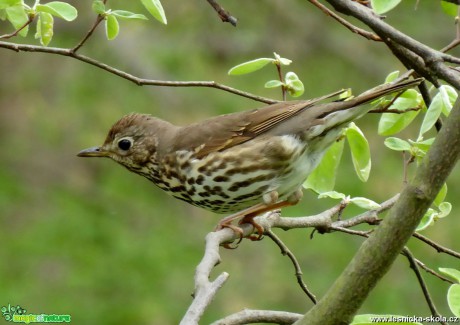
(252, 161)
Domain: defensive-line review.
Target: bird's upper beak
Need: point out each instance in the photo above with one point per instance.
(93, 152)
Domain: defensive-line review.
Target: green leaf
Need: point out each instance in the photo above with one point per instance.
(449, 8)
(444, 209)
(322, 179)
(98, 7)
(59, 9)
(45, 25)
(422, 145)
(391, 123)
(17, 16)
(383, 6)
(365, 203)
(111, 27)
(360, 151)
(332, 195)
(294, 85)
(449, 96)
(441, 195)
(427, 220)
(452, 273)
(392, 76)
(9, 3)
(156, 10)
(453, 299)
(249, 66)
(432, 114)
(282, 61)
(123, 14)
(2, 14)
(273, 84)
(397, 144)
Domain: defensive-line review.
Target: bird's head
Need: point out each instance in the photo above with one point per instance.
(132, 141)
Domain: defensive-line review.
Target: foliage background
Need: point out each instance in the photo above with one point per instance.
(86, 238)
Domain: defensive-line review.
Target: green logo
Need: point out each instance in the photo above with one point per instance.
(17, 314)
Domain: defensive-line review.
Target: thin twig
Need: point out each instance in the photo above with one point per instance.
(138, 81)
(224, 15)
(353, 28)
(298, 271)
(250, 316)
(413, 265)
(394, 111)
(433, 272)
(439, 248)
(99, 19)
(17, 31)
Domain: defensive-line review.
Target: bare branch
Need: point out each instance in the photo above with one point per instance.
(298, 271)
(17, 31)
(353, 28)
(439, 248)
(413, 265)
(224, 15)
(138, 81)
(249, 316)
(99, 19)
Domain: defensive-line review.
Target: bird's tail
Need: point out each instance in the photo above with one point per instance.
(332, 115)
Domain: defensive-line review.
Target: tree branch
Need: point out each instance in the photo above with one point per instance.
(377, 253)
(224, 15)
(138, 81)
(413, 265)
(249, 316)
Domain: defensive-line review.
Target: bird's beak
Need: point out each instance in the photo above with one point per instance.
(93, 152)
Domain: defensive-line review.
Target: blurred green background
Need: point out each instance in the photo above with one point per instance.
(84, 237)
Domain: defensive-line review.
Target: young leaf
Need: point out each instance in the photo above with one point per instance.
(453, 299)
(17, 16)
(322, 179)
(441, 195)
(452, 273)
(397, 144)
(98, 7)
(427, 220)
(123, 14)
(156, 10)
(360, 151)
(449, 8)
(249, 66)
(383, 6)
(422, 145)
(9, 3)
(444, 209)
(365, 203)
(432, 114)
(294, 85)
(111, 27)
(392, 76)
(390, 123)
(45, 25)
(449, 96)
(282, 61)
(59, 9)
(273, 84)
(332, 195)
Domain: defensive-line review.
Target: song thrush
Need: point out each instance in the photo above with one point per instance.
(244, 163)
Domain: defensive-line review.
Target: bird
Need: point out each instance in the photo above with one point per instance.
(244, 163)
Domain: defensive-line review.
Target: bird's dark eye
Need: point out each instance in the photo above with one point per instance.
(125, 144)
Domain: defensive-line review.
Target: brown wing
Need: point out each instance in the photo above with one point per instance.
(225, 131)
